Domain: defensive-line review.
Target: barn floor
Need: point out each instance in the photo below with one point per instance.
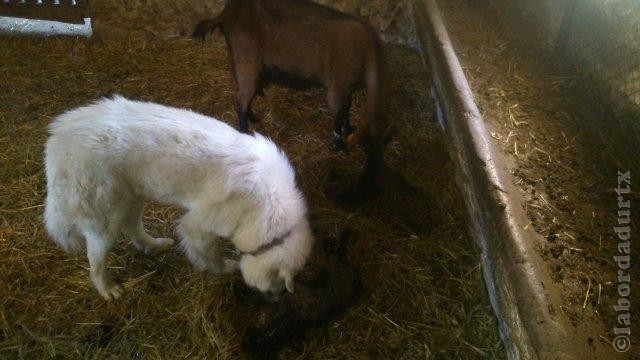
(424, 293)
(564, 152)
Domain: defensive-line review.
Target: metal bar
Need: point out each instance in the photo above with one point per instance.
(20, 26)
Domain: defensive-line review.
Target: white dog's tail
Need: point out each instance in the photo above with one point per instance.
(60, 230)
(59, 212)
(59, 224)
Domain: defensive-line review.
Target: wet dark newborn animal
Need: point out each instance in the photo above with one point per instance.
(312, 305)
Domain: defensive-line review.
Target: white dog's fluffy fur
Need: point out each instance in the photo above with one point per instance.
(105, 159)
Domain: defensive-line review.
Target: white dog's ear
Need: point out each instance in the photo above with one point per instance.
(288, 280)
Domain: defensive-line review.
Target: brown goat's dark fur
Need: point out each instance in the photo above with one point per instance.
(298, 43)
(312, 305)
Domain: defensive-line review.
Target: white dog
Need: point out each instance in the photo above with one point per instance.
(105, 159)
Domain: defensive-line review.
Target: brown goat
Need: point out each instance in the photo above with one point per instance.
(312, 305)
(300, 44)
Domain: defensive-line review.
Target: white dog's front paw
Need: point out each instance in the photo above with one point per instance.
(111, 292)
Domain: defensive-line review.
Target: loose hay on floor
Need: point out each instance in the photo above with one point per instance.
(424, 293)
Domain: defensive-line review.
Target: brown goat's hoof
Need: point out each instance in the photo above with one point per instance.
(339, 145)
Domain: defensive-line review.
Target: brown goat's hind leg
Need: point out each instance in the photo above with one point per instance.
(340, 105)
(259, 91)
(246, 80)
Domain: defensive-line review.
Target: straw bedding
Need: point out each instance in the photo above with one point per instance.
(424, 295)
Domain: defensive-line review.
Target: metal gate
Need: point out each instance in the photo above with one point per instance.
(45, 17)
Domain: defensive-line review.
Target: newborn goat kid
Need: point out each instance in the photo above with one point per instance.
(104, 160)
(312, 305)
(298, 43)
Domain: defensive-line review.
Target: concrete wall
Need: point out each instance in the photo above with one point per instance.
(600, 38)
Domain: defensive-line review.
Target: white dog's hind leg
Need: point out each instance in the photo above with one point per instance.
(98, 246)
(135, 228)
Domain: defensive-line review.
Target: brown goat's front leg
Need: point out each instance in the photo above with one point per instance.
(340, 105)
(246, 80)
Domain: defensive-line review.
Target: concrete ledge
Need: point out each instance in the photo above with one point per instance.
(521, 294)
